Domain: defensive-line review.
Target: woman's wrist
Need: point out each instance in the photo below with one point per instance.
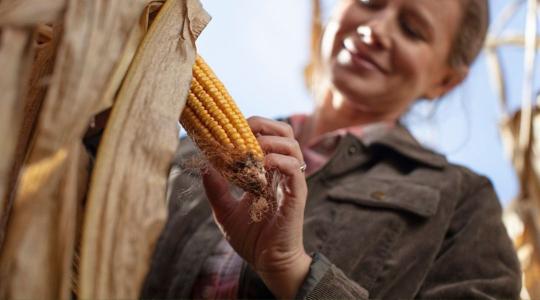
(285, 282)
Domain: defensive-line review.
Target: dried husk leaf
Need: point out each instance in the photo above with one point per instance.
(23, 13)
(36, 259)
(17, 20)
(94, 37)
(15, 58)
(126, 204)
(37, 86)
(133, 41)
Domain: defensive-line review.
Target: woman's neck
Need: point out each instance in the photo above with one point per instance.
(334, 111)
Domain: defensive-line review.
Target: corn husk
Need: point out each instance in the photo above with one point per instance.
(36, 258)
(28, 13)
(37, 87)
(15, 56)
(126, 206)
(18, 18)
(79, 69)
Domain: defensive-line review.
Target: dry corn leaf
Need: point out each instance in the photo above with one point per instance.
(44, 211)
(30, 12)
(17, 17)
(37, 86)
(133, 41)
(37, 258)
(93, 41)
(126, 202)
(15, 57)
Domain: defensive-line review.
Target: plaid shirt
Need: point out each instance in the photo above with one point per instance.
(220, 273)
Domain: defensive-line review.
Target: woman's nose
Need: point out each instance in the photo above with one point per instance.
(375, 33)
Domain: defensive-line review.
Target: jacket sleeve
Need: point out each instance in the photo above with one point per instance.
(477, 259)
(326, 281)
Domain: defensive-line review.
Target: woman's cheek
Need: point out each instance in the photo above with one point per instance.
(410, 67)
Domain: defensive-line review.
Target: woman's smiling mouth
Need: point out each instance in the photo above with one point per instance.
(352, 53)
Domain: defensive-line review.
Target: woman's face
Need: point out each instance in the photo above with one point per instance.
(382, 55)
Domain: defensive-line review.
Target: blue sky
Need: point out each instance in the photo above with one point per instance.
(259, 49)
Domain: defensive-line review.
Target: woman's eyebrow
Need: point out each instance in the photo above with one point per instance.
(423, 17)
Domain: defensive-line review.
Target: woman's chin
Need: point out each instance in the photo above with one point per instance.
(356, 88)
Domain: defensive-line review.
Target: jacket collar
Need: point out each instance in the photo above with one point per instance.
(401, 141)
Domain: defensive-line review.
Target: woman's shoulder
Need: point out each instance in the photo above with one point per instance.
(420, 164)
(475, 189)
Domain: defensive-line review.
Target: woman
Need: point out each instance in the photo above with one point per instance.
(378, 216)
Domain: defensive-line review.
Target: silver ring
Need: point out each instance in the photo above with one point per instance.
(303, 167)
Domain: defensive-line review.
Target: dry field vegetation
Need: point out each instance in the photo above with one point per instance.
(64, 229)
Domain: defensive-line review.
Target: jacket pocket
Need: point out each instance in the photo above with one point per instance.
(406, 196)
(375, 219)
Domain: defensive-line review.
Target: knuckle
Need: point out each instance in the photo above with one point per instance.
(291, 144)
(271, 157)
(253, 119)
(265, 141)
(288, 129)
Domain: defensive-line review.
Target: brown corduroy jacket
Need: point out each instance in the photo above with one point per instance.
(385, 219)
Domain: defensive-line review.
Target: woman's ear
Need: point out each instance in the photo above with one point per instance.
(453, 77)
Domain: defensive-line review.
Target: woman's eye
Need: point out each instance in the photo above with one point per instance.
(370, 3)
(411, 31)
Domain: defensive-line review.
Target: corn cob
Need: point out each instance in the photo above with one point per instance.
(216, 125)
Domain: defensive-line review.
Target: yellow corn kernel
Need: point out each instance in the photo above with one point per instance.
(224, 99)
(216, 125)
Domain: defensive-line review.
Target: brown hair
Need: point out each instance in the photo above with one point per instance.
(471, 34)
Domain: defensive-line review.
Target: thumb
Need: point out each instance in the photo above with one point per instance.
(218, 192)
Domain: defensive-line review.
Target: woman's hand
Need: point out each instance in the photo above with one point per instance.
(273, 247)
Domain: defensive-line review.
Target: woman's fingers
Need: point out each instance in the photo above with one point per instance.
(294, 183)
(280, 145)
(218, 192)
(288, 166)
(264, 126)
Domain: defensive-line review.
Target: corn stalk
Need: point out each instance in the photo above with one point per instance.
(521, 134)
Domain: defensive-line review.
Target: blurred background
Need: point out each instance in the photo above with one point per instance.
(259, 50)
